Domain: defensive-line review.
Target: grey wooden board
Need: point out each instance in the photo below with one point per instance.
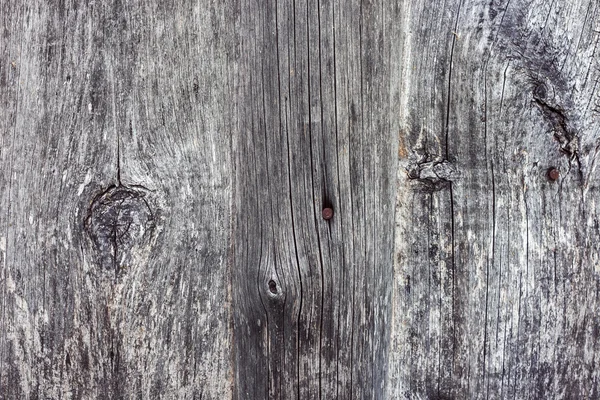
(311, 296)
(496, 273)
(137, 97)
(165, 164)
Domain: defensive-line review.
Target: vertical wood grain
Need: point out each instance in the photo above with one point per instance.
(310, 295)
(496, 271)
(164, 167)
(116, 121)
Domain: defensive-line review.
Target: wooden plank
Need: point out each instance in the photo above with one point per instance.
(496, 275)
(310, 295)
(116, 187)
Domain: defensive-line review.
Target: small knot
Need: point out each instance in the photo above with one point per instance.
(119, 220)
(272, 286)
(433, 175)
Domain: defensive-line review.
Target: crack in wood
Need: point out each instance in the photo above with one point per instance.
(560, 122)
(564, 134)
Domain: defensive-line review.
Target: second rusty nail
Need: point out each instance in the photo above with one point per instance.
(553, 174)
(327, 213)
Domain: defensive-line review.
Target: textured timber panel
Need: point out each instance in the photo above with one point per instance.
(164, 166)
(497, 273)
(311, 296)
(115, 187)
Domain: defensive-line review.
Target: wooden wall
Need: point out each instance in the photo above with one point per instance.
(164, 166)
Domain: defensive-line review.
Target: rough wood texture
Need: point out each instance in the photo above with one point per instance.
(116, 186)
(164, 166)
(496, 276)
(311, 296)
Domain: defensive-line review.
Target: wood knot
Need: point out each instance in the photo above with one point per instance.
(119, 221)
(273, 286)
(432, 175)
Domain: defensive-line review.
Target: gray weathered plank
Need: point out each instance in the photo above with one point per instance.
(496, 274)
(310, 295)
(125, 296)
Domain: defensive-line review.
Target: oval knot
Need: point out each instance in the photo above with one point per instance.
(119, 221)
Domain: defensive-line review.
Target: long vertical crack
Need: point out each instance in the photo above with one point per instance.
(447, 134)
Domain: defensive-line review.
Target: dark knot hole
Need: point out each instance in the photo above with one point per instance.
(273, 286)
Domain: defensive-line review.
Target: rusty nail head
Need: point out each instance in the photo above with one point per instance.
(327, 213)
(553, 174)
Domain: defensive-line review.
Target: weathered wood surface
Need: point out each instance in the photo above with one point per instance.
(311, 296)
(497, 273)
(165, 164)
(116, 190)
